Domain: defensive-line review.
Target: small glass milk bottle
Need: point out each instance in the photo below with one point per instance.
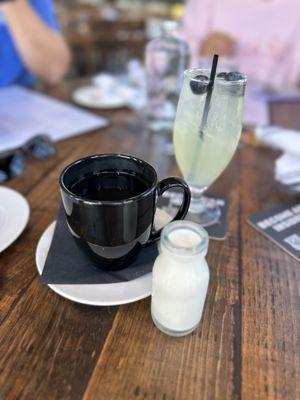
(180, 278)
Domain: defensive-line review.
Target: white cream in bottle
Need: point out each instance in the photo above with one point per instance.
(180, 278)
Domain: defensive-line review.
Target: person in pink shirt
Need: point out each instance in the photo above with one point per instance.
(261, 37)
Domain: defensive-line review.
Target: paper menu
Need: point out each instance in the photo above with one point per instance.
(25, 113)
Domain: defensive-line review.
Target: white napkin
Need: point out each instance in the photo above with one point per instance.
(287, 169)
(287, 166)
(286, 140)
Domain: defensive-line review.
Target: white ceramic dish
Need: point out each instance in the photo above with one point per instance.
(96, 97)
(14, 216)
(100, 294)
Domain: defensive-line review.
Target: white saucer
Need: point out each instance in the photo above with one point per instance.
(14, 215)
(100, 294)
(95, 97)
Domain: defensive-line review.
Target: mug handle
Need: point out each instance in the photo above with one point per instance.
(170, 183)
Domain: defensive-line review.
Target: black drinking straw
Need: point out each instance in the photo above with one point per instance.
(209, 93)
(205, 114)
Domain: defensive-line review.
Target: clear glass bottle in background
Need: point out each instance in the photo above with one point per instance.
(166, 59)
(180, 278)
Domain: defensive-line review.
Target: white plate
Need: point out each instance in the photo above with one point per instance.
(101, 294)
(95, 97)
(14, 215)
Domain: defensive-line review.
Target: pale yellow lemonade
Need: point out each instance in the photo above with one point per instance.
(203, 157)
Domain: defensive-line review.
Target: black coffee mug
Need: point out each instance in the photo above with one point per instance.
(110, 203)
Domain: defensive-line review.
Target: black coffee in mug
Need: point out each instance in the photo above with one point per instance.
(110, 203)
(109, 186)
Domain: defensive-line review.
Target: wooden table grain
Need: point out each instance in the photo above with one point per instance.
(247, 345)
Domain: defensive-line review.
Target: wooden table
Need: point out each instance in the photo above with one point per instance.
(247, 345)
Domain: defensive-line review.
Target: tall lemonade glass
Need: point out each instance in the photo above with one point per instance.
(207, 129)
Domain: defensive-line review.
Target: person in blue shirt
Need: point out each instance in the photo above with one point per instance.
(31, 46)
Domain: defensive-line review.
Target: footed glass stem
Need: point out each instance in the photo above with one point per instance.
(203, 210)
